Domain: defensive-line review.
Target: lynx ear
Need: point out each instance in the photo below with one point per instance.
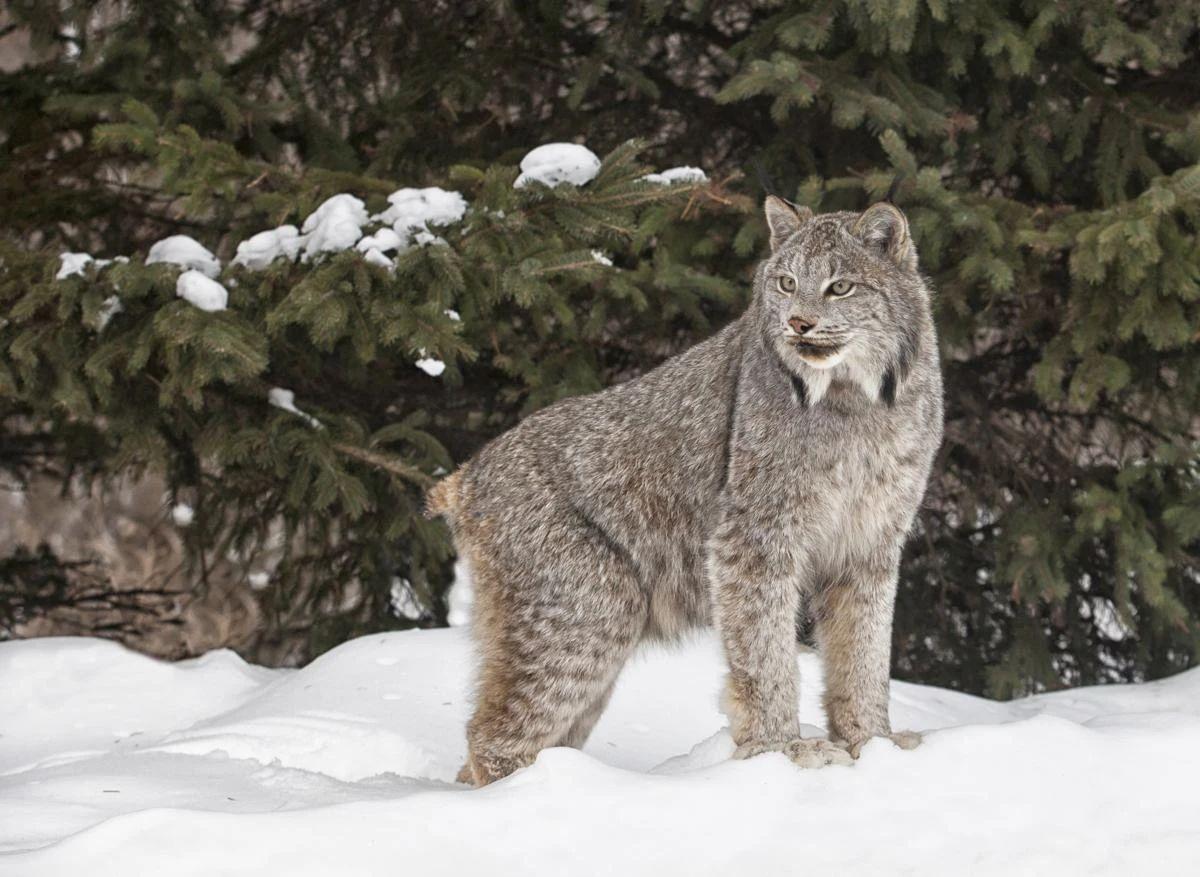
(883, 228)
(784, 218)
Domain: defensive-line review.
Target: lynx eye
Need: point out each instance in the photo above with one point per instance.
(840, 288)
(787, 283)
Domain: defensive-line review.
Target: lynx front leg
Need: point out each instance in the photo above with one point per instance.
(854, 631)
(755, 599)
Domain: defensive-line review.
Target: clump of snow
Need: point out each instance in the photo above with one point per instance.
(260, 250)
(461, 599)
(375, 257)
(109, 308)
(431, 365)
(425, 238)
(417, 209)
(183, 514)
(72, 264)
(601, 257)
(334, 226)
(677, 175)
(115, 764)
(383, 240)
(556, 163)
(185, 252)
(286, 399)
(404, 602)
(258, 579)
(453, 314)
(201, 291)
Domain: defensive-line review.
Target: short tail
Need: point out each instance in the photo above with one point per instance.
(443, 499)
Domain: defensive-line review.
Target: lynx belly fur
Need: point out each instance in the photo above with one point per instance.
(775, 467)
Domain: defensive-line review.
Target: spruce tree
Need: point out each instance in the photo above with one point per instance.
(1047, 155)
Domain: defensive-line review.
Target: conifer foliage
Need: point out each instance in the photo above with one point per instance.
(1047, 156)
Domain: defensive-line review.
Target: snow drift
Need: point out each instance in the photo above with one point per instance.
(118, 764)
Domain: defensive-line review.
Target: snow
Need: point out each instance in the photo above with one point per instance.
(423, 238)
(461, 599)
(185, 252)
(72, 264)
(201, 291)
(677, 175)
(404, 602)
(432, 366)
(259, 251)
(286, 399)
(601, 257)
(383, 241)
(413, 210)
(116, 764)
(334, 226)
(109, 308)
(376, 257)
(556, 163)
(183, 514)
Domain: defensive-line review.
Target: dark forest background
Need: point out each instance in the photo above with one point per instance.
(1046, 154)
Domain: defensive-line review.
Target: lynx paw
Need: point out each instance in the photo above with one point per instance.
(903, 739)
(805, 753)
(816, 753)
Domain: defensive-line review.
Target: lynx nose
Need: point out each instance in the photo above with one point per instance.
(802, 325)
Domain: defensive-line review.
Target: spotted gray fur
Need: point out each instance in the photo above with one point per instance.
(775, 467)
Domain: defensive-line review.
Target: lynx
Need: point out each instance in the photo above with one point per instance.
(772, 469)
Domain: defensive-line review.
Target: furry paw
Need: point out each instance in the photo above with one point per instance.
(906, 739)
(903, 739)
(816, 753)
(805, 753)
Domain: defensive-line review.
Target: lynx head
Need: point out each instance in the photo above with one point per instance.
(840, 298)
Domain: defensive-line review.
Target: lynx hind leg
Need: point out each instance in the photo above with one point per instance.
(577, 735)
(554, 632)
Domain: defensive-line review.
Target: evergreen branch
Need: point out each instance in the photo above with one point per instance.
(388, 464)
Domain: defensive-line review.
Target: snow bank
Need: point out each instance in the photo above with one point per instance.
(73, 698)
(185, 252)
(259, 251)
(556, 163)
(115, 764)
(201, 291)
(677, 175)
